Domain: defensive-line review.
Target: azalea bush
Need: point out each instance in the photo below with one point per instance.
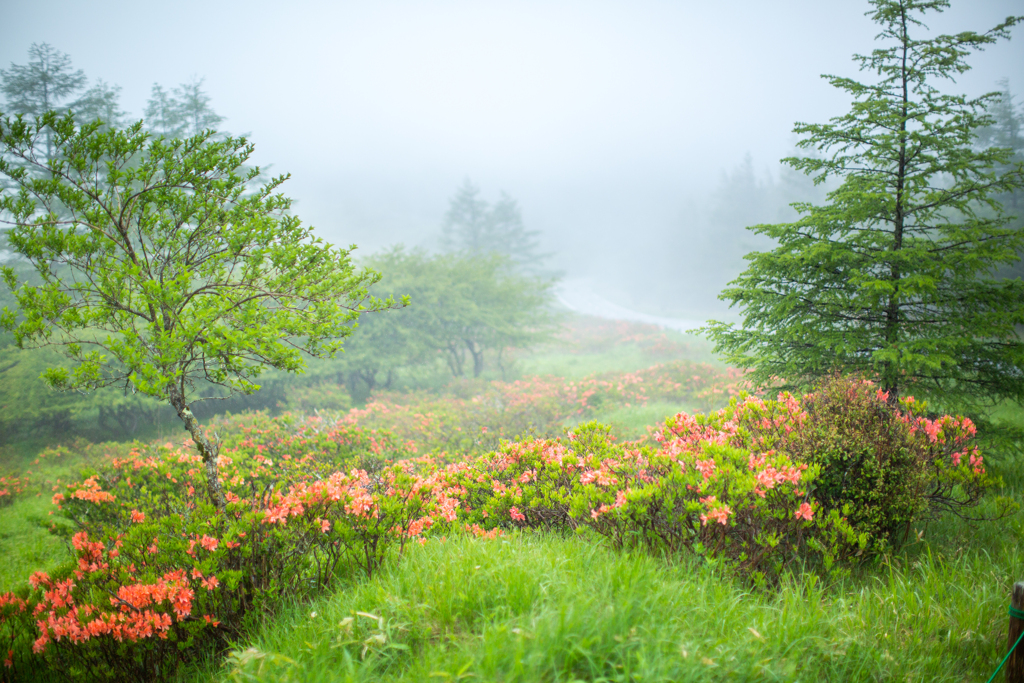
(586, 334)
(760, 486)
(700, 487)
(11, 487)
(473, 418)
(160, 574)
(884, 467)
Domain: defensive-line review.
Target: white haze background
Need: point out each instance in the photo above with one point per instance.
(612, 123)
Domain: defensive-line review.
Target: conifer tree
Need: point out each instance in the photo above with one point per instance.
(103, 102)
(45, 83)
(161, 113)
(193, 108)
(183, 112)
(1006, 130)
(465, 224)
(474, 226)
(42, 84)
(894, 276)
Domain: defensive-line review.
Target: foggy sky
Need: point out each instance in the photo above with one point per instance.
(608, 121)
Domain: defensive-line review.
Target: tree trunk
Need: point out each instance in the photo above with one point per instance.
(370, 378)
(455, 358)
(208, 450)
(501, 364)
(478, 356)
(890, 384)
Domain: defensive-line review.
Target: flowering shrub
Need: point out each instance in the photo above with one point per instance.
(759, 484)
(883, 468)
(10, 488)
(160, 574)
(586, 334)
(475, 417)
(704, 486)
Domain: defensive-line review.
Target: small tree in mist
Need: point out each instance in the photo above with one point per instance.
(474, 226)
(161, 113)
(47, 82)
(158, 271)
(894, 276)
(1007, 130)
(463, 310)
(194, 109)
(44, 83)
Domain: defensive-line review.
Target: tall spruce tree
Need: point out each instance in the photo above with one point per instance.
(45, 83)
(102, 102)
(193, 108)
(894, 276)
(474, 226)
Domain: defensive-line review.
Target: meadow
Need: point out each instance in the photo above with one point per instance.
(553, 582)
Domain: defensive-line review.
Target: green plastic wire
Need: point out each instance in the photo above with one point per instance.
(1016, 614)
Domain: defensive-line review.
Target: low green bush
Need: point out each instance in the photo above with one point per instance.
(886, 468)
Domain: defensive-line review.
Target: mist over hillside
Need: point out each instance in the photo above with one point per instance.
(638, 138)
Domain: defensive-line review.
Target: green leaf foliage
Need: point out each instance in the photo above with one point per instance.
(894, 276)
(464, 309)
(159, 268)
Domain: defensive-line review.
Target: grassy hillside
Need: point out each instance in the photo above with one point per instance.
(587, 347)
(538, 607)
(530, 605)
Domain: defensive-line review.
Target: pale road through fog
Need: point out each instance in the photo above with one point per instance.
(578, 296)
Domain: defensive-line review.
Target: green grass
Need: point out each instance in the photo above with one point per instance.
(25, 543)
(624, 358)
(632, 422)
(534, 607)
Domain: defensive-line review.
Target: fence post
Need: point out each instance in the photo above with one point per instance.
(1015, 664)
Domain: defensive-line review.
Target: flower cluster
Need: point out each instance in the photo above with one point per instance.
(469, 419)
(137, 611)
(10, 488)
(706, 484)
